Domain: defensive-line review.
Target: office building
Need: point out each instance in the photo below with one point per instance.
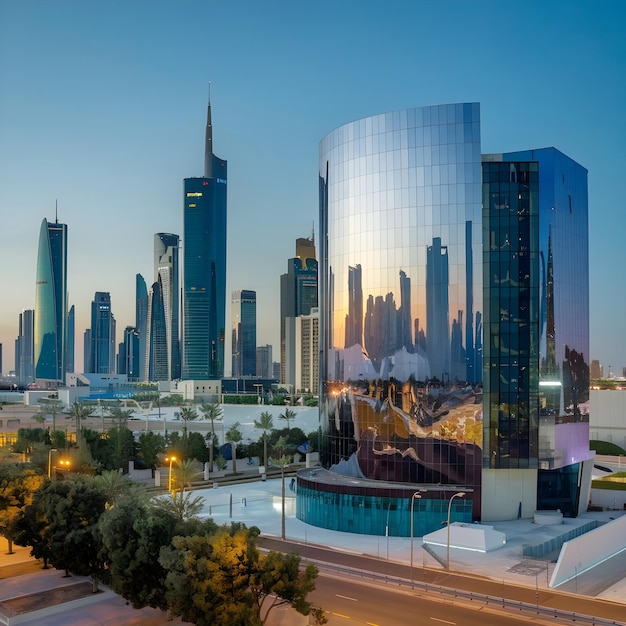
(166, 274)
(453, 327)
(307, 353)
(102, 353)
(596, 371)
(298, 294)
(264, 361)
(243, 314)
(51, 305)
(204, 267)
(25, 348)
(157, 362)
(141, 324)
(71, 340)
(129, 357)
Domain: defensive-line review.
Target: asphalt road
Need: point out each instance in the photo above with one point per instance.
(549, 599)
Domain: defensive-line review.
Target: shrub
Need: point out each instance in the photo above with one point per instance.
(606, 447)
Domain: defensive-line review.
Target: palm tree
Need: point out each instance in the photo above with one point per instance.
(265, 423)
(187, 414)
(79, 412)
(234, 436)
(214, 413)
(185, 472)
(287, 416)
(181, 506)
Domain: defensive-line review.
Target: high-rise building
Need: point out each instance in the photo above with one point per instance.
(307, 352)
(102, 357)
(157, 362)
(51, 304)
(298, 294)
(204, 267)
(596, 371)
(25, 348)
(166, 274)
(71, 340)
(243, 314)
(453, 327)
(141, 324)
(264, 361)
(129, 357)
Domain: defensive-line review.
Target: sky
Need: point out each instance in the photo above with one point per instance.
(103, 111)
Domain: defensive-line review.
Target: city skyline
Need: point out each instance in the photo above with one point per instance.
(108, 119)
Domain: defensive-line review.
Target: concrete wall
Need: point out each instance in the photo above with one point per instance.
(609, 499)
(584, 552)
(504, 489)
(607, 416)
(585, 486)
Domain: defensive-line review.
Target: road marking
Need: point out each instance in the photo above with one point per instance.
(371, 624)
(341, 615)
(346, 597)
(445, 621)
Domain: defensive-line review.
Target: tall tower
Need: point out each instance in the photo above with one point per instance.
(24, 348)
(243, 312)
(298, 294)
(51, 304)
(204, 267)
(141, 324)
(102, 358)
(166, 274)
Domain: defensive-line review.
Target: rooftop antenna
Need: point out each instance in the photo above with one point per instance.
(208, 142)
(56, 211)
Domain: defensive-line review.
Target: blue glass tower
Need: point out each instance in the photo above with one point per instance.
(102, 359)
(243, 313)
(51, 304)
(141, 324)
(204, 267)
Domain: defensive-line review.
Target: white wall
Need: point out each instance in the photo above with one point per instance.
(607, 416)
(504, 489)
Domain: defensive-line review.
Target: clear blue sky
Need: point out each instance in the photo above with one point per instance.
(103, 104)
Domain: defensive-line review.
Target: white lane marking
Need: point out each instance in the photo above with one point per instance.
(346, 597)
(445, 621)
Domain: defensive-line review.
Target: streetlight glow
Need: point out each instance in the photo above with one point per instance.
(171, 460)
(417, 494)
(460, 494)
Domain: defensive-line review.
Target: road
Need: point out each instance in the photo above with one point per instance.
(355, 603)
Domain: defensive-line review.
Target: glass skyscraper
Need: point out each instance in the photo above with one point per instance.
(51, 304)
(243, 313)
(409, 292)
(141, 324)
(204, 267)
(102, 359)
(166, 275)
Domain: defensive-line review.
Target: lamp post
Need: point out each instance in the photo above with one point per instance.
(413, 497)
(171, 459)
(65, 464)
(460, 494)
(50, 461)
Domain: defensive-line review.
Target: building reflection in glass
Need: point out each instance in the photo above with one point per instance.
(400, 295)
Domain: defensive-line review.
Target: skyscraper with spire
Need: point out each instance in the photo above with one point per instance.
(204, 267)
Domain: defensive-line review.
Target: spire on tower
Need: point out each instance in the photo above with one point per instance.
(56, 211)
(208, 144)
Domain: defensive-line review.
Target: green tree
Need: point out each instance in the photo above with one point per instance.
(181, 506)
(60, 525)
(213, 413)
(233, 436)
(279, 581)
(185, 472)
(265, 423)
(119, 449)
(49, 406)
(151, 444)
(18, 485)
(133, 533)
(187, 414)
(197, 448)
(79, 412)
(288, 415)
(114, 485)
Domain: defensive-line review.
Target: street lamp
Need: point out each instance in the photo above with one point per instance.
(171, 459)
(65, 464)
(460, 494)
(50, 461)
(415, 495)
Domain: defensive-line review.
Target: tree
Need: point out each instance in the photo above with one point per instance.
(287, 416)
(18, 485)
(264, 423)
(187, 414)
(113, 485)
(213, 413)
(222, 579)
(185, 472)
(151, 444)
(234, 436)
(79, 412)
(197, 448)
(49, 406)
(181, 506)
(280, 581)
(283, 460)
(60, 525)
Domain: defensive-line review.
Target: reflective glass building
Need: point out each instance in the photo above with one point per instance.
(243, 314)
(102, 359)
(51, 304)
(408, 297)
(204, 268)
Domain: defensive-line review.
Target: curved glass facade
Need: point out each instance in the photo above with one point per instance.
(51, 303)
(401, 298)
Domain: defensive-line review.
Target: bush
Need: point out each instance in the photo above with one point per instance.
(606, 447)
